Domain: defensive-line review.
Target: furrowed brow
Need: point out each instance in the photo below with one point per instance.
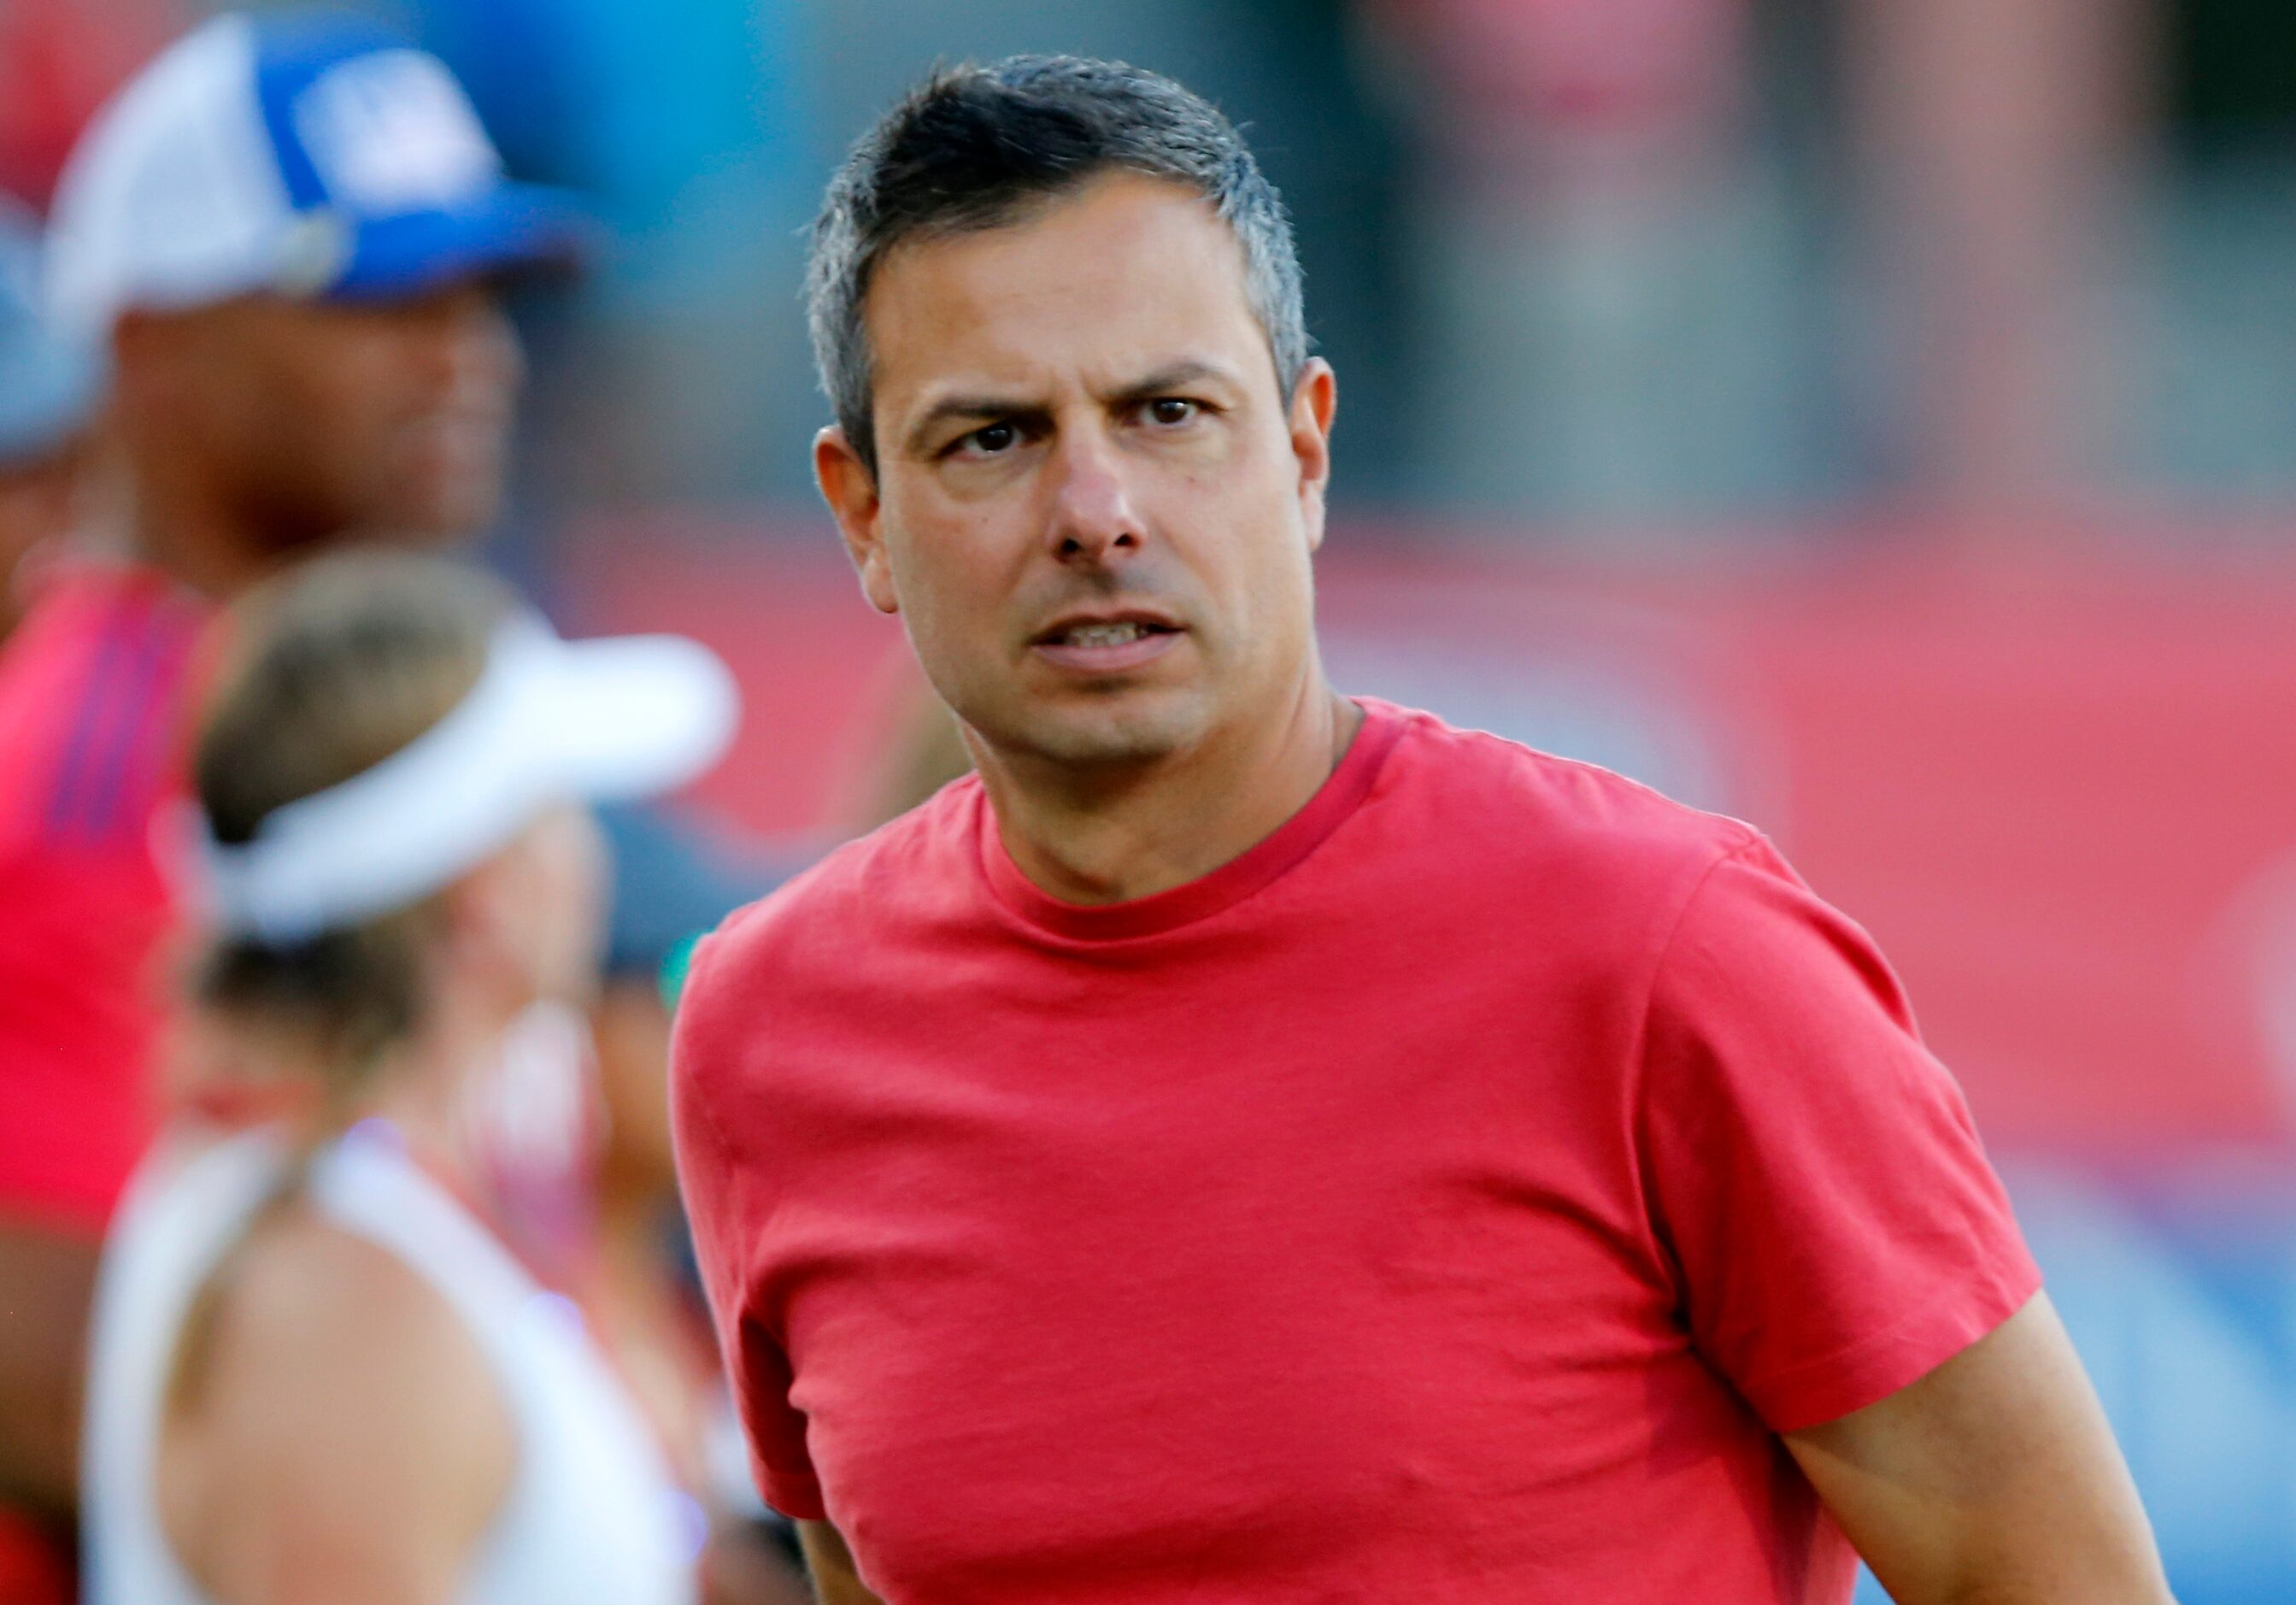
(973, 409)
(1173, 377)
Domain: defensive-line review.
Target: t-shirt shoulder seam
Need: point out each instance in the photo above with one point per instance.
(1747, 838)
(704, 967)
(704, 1102)
(707, 963)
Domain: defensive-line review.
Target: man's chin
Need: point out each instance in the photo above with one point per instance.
(1125, 731)
(444, 516)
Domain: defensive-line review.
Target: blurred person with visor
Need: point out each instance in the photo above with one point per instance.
(285, 234)
(316, 1373)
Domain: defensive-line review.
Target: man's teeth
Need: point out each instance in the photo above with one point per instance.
(1105, 635)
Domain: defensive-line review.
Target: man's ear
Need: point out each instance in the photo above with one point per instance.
(1314, 401)
(850, 490)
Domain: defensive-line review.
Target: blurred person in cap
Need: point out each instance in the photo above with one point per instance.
(1250, 1143)
(285, 233)
(315, 1367)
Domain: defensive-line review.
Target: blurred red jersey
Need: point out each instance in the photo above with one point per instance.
(92, 692)
(34, 1570)
(1450, 1199)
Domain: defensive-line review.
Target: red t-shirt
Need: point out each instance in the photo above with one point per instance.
(92, 692)
(1450, 1199)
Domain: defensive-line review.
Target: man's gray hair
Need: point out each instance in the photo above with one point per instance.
(977, 147)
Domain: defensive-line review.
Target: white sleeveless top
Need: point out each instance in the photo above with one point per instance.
(591, 1514)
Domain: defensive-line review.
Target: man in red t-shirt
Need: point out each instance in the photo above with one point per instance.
(284, 233)
(1251, 1145)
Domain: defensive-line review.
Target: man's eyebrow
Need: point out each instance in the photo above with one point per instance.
(981, 405)
(1172, 376)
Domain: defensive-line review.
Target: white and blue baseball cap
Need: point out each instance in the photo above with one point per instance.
(308, 154)
(49, 383)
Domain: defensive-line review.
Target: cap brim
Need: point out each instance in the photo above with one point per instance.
(630, 716)
(515, 229)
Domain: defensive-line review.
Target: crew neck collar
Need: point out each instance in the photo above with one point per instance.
(1257, 866)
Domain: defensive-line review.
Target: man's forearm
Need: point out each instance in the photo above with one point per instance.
(49, 1281)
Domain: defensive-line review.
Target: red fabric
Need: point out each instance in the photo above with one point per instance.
(1448, 1199)
(34, 1569)
(59, 61)
(91, 696)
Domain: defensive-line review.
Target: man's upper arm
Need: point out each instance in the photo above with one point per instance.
(1814, 1180)
(1992, 1478)
(50, 1278)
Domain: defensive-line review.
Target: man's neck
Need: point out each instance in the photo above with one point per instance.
(176, 522)
(208, 554)
(1177, 820)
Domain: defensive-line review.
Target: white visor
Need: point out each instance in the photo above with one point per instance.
(549, 721)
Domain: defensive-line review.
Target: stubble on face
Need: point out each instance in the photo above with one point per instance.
(1120, 721)
(1119, 446)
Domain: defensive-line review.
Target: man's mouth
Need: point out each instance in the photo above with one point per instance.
(1105, 646)
(1115, 634)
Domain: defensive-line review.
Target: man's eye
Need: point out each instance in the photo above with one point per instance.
(1172, 409)
(992, 441)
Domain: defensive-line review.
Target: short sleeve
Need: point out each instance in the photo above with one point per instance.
(1811, 1168)
(724, 1198)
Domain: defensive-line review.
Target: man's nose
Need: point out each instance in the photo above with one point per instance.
(1093, 517)
(474, 346)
